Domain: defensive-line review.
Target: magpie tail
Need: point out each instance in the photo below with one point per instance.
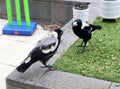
(95, 27)
(23, 67)
(98, 27)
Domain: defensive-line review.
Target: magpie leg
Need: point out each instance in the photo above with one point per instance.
(81, 45)
(44, 63)
(83, 50)
(85, 42)
(50, 67)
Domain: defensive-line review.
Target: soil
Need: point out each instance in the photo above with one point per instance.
(81, 6)
(52, 26)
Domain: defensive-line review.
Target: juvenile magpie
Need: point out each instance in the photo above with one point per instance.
(43, 51)
(84, 31)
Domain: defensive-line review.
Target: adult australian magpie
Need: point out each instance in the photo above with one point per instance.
(43, 51)
(84, 31)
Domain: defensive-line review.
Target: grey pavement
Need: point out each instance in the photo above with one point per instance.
(39, 78)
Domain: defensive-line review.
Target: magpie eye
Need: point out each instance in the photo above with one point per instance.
(62, 32)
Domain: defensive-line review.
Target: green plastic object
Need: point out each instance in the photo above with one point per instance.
(9, 11)
(26, 10)
(19, 27)
(18, 12)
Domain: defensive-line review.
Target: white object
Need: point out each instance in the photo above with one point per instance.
(81, 14)
(110, 9)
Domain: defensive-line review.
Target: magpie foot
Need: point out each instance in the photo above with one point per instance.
(83, 51)
(79, 46)
(50, 67)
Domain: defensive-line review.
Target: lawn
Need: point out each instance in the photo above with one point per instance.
(102, 56)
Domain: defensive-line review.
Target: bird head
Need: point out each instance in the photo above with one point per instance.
(77, 23)
(58, 33)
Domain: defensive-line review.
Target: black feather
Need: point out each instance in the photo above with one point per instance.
(43, 51)
(84, 31)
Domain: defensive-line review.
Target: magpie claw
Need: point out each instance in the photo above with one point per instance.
(50, 67)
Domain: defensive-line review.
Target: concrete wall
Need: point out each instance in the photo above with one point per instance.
(44, 11)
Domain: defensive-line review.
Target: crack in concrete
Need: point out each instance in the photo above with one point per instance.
(110, 85)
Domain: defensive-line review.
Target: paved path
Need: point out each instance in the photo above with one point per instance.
(13, 49)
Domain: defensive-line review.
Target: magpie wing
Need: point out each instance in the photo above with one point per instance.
(48, 44)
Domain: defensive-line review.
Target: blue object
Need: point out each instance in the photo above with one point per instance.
(14, 29)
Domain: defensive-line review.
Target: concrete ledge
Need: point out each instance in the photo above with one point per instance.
(57, 80)
(62, 80)
(26, 80)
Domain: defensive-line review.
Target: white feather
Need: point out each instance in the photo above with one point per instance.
(54, 47)
(75, 24)
(51, 49)
(27, 60)
(46, 51)
(55, 34)
(84, 24)
(90, 30)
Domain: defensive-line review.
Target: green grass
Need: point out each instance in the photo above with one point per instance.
(102, 56)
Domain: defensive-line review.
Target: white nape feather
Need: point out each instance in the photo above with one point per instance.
(75, 24)
(54, 34)
(27, 60)
(84, 24)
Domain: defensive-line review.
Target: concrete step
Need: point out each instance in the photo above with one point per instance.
(38, 78)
